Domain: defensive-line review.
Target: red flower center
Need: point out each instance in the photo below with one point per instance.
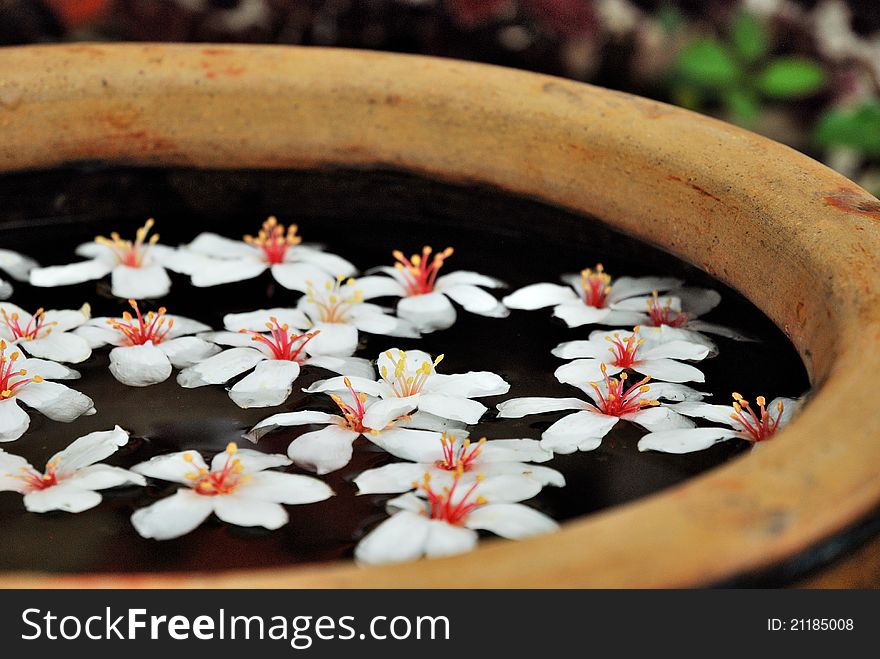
(618, 400)
(284, 344)
(274, 241)
(445, 505)
(35, 480)
(138, 329)
(758, 425)
(420, 270)
(663, 314)
(625, 353)
(224, 481)
(596, 285)
(458, 455)
(11, 378)
(30, 331)
(131, 253)
(354, 415)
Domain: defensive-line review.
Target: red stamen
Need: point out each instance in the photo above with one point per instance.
(663, 314)
(402, 382)
(35, 481)
(420, 270)
(284, 344)
(224, 481)
(354, 416)
(30, 331)
(625, 353)
(760, 426)
(442, 504)
(596, 285)
(11, 378)
(618, 400)
(153, 327)
(127, 252)
(458, 455)
(274, 241)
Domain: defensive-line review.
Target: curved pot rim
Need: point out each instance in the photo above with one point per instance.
(800, 241)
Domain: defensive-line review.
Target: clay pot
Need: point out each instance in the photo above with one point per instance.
(800, 241)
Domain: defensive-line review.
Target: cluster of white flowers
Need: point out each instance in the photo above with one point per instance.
(449, 487)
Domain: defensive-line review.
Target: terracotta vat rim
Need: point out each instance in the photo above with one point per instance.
(800, 241)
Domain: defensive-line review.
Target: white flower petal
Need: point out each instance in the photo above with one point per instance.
(17, 266)
(290, 489)
(697, 301)
(187, 351)
(172, 516)
(243, 511)
(14, 421)
(516, 408)
(409, 444)
(408, 501)
(139, 366)
(172, 467)
(511, 520)
(789, 407)
(579, 431)
(576, 314)
(353, 366)
(234, 339)
(363, 385)
(708, 411)
(452, 407)
(216, 271)
(543, 475)
(582, 349)
(255, 321)
(720, 330)
(335, 339)
(373, 286)
(674, 392)
(675, 349)
(303, 418)
(584, 371)
(220, 247)
(538, 296)
(401, 537)
(296, 276)
(145, 282)
(75, 273)
(183, 326)
(623, 318)
(467, 277)
(425, 421)
(658, 418)
(270, 384)
(624, 287)
(63, 496)
(59, 346)
(102, 477)
(506, 488)
(97, 336)
(472, 384)
(10, 466)
(331, 264)
(445, 539)
(382, 412)
(476, 300)
(220, 368)
(381, 323)
(56, 401)
(323, 451)
(89, 449)
(250, 460)
(428, 312)
(513, 450)
(390, 479)
(684, 440)
(670, 370)
(414, 360)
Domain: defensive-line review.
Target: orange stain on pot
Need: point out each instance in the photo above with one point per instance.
(852, 200)
(694, 186)
(212, 70)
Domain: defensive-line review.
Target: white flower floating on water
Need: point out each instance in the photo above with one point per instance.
(46, 334)
(680, 309)
(18, 266)
(148, 347)
(743, 423)
(424, 297)
(656, 356)
(445, 522)
(136, 268)
(263, 341)
(25, 381)
(72, 477)
(212, 259)
(237, 488)
(330, 448)
(613, 400)
(591, 298)
(448, 458)
(409, 381)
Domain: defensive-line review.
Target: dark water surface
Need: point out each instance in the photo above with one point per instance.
(362, 216)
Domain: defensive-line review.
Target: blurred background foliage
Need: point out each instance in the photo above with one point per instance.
(804, 72)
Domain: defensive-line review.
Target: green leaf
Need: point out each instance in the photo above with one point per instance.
(749, 37)
(743, 106)
(857, 128)
(791, 77)
(708, 63)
